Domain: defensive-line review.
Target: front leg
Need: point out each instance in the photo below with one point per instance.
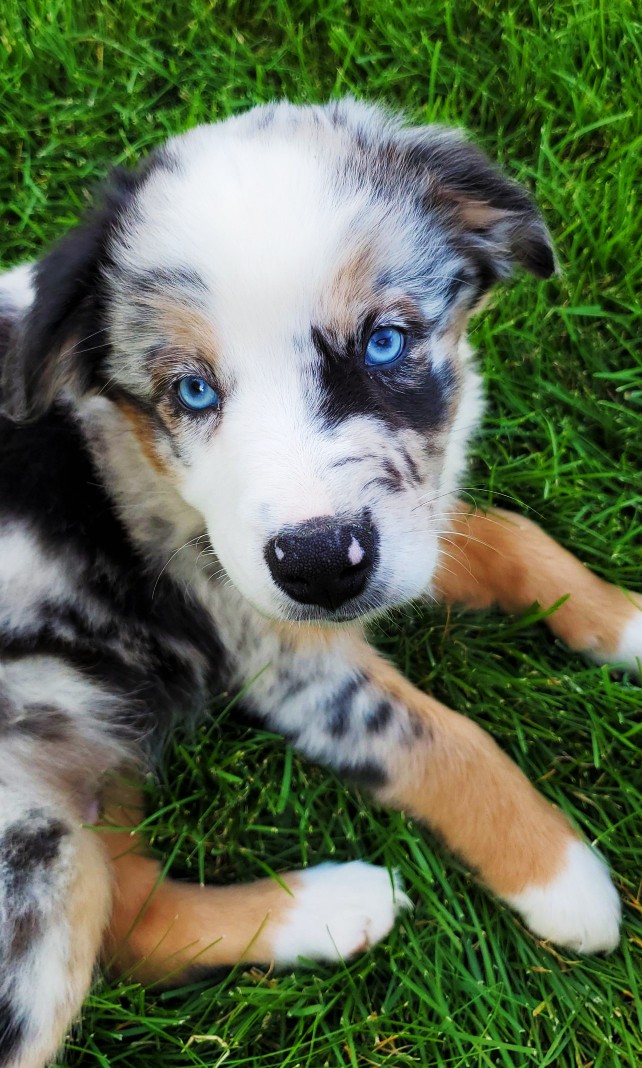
(164, 930)
(498, 557)
(345, 706)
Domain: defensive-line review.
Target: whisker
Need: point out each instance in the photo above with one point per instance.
(192, 541)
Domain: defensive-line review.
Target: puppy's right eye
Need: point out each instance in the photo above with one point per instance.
(196, 394)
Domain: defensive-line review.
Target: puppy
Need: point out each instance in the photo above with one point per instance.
(237, 402)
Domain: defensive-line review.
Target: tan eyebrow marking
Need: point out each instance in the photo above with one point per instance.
(184, 328)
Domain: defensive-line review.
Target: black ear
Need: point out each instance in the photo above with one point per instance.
(499, 221)
(60, 341)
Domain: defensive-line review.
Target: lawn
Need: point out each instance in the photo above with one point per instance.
(552, 90)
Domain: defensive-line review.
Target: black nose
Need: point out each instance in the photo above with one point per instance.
(322, 561)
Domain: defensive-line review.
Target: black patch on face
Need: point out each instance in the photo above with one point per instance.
(380, 717)
(406, 395)
(12, 1029)
(424, 405)
(341, 706)
(366, 774)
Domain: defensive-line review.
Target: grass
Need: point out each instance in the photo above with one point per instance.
(553, 91)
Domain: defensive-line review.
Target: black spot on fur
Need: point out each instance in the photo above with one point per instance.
(24, 848)
(380, 717)
(366, 774)
(12, 1029)
(340, 706)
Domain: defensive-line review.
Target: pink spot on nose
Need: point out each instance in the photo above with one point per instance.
(355, 552)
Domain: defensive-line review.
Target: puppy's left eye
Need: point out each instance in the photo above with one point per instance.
(385, 346)
(196, 394)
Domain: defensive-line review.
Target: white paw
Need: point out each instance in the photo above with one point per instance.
(629, 650)
(579, 909)
(338, 910)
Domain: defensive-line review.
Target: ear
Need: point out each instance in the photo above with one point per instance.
(60, 340)
(499, 222)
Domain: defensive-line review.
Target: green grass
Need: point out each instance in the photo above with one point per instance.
(553, 91)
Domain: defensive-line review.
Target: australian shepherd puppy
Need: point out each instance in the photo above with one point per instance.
(237, 399)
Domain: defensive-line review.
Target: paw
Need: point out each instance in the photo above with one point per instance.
(579, 908)
(629, 651)
(338, 910)
(617, 636)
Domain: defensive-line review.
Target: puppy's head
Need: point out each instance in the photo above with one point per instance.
(281, 302)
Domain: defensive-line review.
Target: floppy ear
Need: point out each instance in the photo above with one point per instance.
(59, 341)
(499, 222)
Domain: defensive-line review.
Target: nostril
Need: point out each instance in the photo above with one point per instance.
(354, 569)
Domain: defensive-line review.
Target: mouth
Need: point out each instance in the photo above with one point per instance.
(367, 606)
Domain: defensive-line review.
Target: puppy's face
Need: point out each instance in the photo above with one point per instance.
(283, 299)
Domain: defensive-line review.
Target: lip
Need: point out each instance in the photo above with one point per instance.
(364, 607)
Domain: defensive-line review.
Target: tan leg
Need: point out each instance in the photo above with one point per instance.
(477, 800)
(498, 557)
(162, 930)
(471, 794)
(362, 717)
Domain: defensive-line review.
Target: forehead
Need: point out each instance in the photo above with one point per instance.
(278, 213)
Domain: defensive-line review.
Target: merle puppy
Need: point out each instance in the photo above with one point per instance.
(237, 400)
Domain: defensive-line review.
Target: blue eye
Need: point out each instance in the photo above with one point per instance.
(385, 346)
(196, 394)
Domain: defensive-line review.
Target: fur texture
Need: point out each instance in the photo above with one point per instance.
(143, 547)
